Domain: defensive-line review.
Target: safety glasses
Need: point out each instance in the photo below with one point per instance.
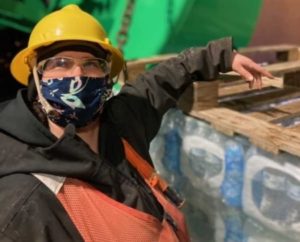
(63, 66)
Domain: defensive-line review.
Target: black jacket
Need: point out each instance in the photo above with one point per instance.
(29, 211)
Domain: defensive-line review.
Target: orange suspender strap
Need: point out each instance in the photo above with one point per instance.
(149, 173)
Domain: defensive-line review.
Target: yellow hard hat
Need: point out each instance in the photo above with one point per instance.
(69, 23)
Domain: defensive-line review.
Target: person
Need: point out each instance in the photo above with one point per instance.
(74, 163)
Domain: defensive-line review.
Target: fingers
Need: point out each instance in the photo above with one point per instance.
(256, 71)
(250, 70)
(246, 63)
(245, 73)
(254, 79)
(251, 84)
(257, 81)
(260, 70)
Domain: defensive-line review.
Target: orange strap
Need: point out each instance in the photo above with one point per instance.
(144, 168)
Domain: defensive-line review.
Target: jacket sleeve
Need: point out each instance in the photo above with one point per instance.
(157, 90)
(163, 85)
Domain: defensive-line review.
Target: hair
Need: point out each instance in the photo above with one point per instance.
(34, 104)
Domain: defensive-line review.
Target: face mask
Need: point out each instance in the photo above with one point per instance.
(77, 100)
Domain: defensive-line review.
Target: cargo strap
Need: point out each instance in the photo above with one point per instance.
(54, 183)
(150, 175)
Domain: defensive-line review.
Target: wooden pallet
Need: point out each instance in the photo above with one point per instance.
(232, 108)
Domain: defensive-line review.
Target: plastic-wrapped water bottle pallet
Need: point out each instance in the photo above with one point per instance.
(234, 191)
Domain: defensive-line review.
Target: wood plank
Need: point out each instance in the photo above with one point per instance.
(226, 89)
(284, 67)
(199, 96)
(277, 69)
(292, 79)
(268, 48)
(135, 71)
(290, 55)
(280, 113)
(135, 67)
(260, 102)
(295, 128)
(283, 52)
(267, 136)
(150, 60)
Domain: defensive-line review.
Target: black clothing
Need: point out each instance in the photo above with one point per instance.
(29, 210)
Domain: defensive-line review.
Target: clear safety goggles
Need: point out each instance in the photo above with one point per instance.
(63, 66)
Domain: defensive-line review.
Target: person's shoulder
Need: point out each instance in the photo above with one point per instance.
(28, 205)
(3, 104)
(15, 189)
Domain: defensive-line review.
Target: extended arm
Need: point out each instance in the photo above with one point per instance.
(155, 91)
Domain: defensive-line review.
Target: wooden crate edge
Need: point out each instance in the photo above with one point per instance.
(265, 135)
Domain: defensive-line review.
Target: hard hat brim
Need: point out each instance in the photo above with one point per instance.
(20, 65)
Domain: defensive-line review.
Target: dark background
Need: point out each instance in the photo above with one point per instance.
(11, 42)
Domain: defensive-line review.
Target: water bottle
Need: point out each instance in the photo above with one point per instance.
(165, 148)
(271, 193)
(293, 196)
(273, 203)
(196, 160)
(194, 154)
(156, 152)
(272, 188)
(172, 153)
(232, 185)
(256, 232)
(201, 226)
(213, 163)
(233, 221)
(171, 132)
(215, 155)
(172, 141)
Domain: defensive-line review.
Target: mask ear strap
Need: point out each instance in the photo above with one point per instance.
(110, 82)
(43, 101)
